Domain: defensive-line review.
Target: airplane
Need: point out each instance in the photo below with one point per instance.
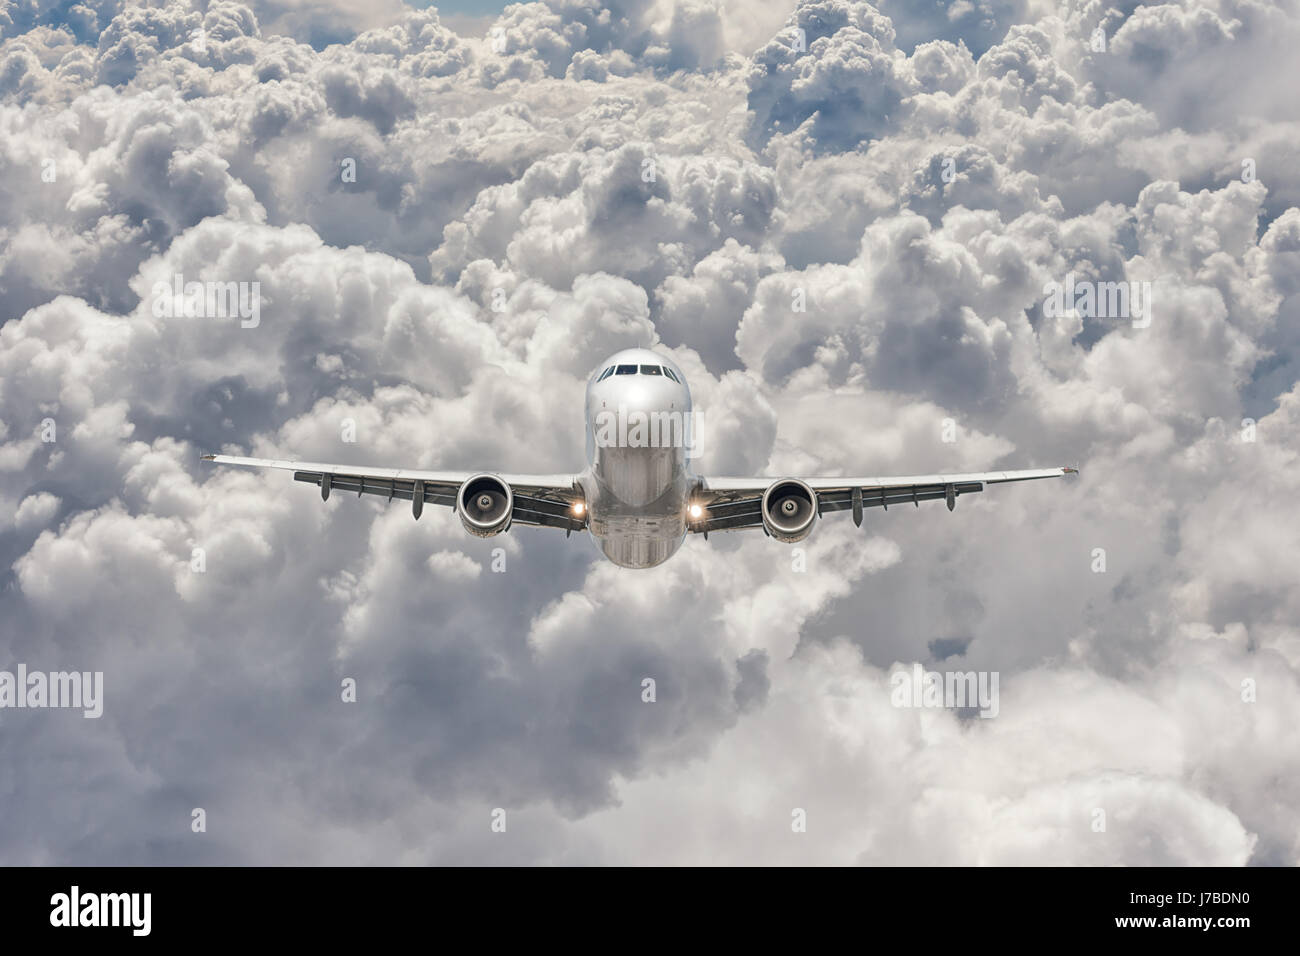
(639, 496)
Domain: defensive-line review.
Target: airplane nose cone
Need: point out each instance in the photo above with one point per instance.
(645, 394)
(640, 431)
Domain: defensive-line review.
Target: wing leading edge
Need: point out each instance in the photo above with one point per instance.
(732, 504)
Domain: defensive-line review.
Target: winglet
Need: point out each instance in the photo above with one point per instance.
(207, 457)
(1067, 470)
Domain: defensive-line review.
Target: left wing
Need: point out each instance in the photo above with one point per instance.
(730, 504)
(554, 501)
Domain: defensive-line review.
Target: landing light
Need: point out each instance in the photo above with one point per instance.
(696, 511)
(579, 508)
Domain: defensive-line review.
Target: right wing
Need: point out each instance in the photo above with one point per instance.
(553, 501)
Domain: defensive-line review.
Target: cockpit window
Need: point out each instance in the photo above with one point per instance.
(626, 370)
(669, 373)
(651, 370)
(606, 374)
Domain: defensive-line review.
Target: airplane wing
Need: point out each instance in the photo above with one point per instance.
(554, 501)
(731, 504)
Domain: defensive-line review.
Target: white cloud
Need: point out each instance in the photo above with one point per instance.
(845, 247)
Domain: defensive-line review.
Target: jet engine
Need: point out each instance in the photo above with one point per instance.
(789, 510)
(485, 504)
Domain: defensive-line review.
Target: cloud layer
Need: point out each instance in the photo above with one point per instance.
(841, 220)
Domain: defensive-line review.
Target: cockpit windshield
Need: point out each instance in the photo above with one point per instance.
(641, 369)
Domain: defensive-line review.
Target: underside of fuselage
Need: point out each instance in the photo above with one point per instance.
(638, 542)
(639, 535)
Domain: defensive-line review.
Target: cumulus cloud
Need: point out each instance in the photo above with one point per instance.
(843, 222)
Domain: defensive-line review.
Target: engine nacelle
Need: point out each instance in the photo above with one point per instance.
(485, 504)
(789, 510)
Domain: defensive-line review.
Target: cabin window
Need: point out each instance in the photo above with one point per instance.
(606, 374)
(626, 370)
(651, 370)
(669, 373)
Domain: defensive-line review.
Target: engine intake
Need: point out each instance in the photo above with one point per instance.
(789, 510)
(485, 504)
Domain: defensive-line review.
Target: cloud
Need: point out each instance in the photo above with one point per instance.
(846, 239)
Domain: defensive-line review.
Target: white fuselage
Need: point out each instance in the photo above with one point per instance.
(639, 481)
